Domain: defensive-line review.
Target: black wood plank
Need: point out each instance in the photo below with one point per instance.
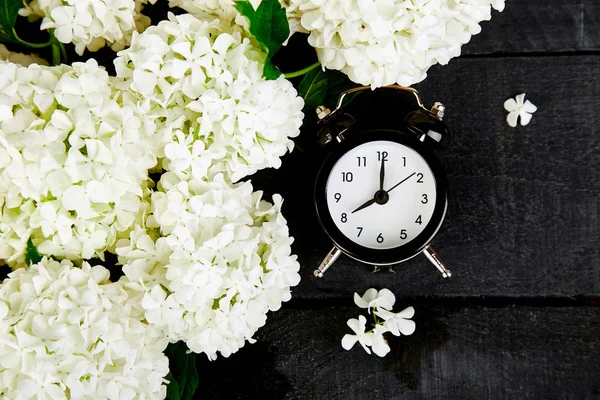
(524, 207)
(540, 26)
(456, 353)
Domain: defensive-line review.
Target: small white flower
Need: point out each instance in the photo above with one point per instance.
(372, 298)
(380, 345)
(517, 108)
(398, 323)
(358, 326)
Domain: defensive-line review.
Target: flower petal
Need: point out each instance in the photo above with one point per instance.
(357, 325)
(348, 341)
(366, 341)
(520, 99)
(406, 326)
(529, 107)
(370, 295)
(359, 301)
(384, 314)
(408, 312)
(510, 105)
(380, 346)
(511, 118)
(525, 117)
(386, 299)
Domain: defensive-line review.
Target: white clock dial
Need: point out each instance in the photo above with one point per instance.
(387, 223)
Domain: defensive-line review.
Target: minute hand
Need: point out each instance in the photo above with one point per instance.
(402, 181)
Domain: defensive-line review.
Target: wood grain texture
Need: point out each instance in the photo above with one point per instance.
(543, 26)
(523, 218)
(456, 353)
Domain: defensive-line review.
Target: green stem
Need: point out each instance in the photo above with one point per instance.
(302, 71)
(33, 45)
(376, 319)
(63, 52)
(55, 54)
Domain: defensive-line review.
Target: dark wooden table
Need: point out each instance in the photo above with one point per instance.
(519, 319)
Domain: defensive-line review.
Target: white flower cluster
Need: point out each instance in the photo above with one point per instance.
(73, 161)
(204, 258)
(90, 24)
(68, 332)
(201, 82)
(20, 58)
(397, 323)
(385, 42)
(223, 260)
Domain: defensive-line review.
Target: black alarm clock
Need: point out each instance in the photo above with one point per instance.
(381, 194)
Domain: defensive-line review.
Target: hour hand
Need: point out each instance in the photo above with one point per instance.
(367, 204)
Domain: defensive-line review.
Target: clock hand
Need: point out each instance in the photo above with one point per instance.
(381, 179)
(382, 173)
(367, 204)
(381, 196)
(402, 181)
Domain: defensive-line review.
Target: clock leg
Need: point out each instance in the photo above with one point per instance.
(437, 261)
(380, 268)
(327, 262)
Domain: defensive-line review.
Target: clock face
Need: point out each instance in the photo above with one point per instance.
(379, 218)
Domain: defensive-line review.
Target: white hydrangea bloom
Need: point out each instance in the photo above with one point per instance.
(383, 42)
(223, 261)
(73, 161)
(68, 332)
(225, 10)
(202, 83)
(90, 24)
(20, 58)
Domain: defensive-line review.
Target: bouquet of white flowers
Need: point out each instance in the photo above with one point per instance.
(127, 215)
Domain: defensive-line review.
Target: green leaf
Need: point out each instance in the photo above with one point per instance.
(270, 28)
(324, 87)
(270, 25)
(32, 255)
(245, 8)
(183, 376)
(313, 88)
(338, 82)
(192, 379)
(270, 72)
(172, 388)
(9, 10)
